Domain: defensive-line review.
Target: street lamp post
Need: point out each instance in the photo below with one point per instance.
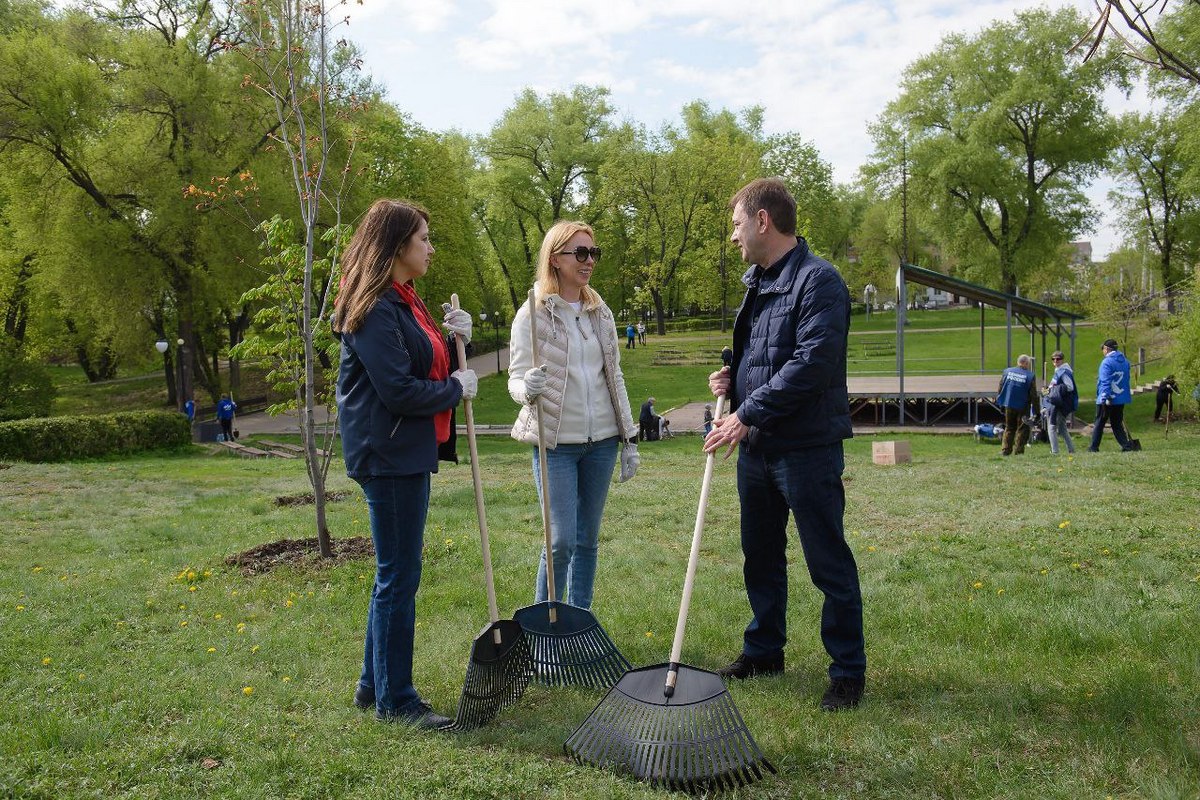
(496, 318)
(182, 387)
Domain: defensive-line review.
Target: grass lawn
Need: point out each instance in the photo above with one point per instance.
(1032, 632)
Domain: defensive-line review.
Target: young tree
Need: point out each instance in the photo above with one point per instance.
(309, 79)
(1003, 131)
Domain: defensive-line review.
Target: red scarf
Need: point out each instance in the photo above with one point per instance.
(440, 370)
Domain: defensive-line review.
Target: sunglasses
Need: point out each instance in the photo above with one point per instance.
(581, 253)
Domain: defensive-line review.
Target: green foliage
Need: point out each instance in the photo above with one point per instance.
(1186, 350)
(1158, 206)
(1003, 131)
(26, 389)
(278, 335)
(72, 438)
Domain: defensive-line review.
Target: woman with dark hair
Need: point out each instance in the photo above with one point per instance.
(584, 405)
(395, 395)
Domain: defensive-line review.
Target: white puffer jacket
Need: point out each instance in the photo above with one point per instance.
(583, 364)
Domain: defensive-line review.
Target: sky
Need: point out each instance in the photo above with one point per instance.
(821, 68)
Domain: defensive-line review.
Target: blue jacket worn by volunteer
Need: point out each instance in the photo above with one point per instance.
(387, 405)
(788, 385)
(1112, 395)
(1017, 395)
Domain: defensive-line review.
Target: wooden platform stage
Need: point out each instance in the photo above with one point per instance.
(946, 392)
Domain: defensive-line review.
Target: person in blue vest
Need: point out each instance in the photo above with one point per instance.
(1112, 395)
(1018, 396)
(1064, 401)
(189, 408)
(630, 336)
(225, 409)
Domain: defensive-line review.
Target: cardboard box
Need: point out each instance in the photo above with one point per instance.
(891, 452)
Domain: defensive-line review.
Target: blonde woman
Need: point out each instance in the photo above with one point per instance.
(583, 400)
(395, 395)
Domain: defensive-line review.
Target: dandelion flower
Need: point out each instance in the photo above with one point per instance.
(191, 588)
(1065, 523)
(208, 573)
(289, 604)
(286, 679)
(254, 649)
(1104, 551)
(20, 608)
(46, 661)
(218, 616)
(977, 585)
(191, 575)
(183, 606)
(37, 569)
(650, 634)
(999, 592)
(1043, 571)
(870, 548)
(183, 623)
(247, 690)
(81, 676)
(234, 593)
(212, 650)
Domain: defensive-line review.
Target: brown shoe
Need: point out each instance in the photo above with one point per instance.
(843, 693)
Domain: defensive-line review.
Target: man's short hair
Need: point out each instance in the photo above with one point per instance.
(1057, 354)
(770, 195)
(1024, 360)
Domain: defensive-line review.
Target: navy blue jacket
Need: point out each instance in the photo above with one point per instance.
(789, 354)
(1018, 389)
(385, 399)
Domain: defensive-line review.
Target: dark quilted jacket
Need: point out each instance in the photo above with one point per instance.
(789, 344)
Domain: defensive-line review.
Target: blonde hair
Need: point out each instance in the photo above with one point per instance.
(382, 235)
(547, 276)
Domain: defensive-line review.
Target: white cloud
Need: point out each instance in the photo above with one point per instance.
(825, 69)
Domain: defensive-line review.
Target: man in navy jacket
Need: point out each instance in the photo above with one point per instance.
(787, 389)
(1018, 397)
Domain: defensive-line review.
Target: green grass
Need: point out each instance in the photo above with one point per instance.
(1032, 630)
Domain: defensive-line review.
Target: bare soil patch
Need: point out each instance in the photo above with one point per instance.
(308, 498)
(301, 553)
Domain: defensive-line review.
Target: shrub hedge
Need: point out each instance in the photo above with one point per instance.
(69, 438)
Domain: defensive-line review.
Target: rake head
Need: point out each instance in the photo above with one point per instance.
(572, 651)
(497, 675)
(695, 741)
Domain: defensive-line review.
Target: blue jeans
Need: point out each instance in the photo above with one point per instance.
(580, 475)
(398, 507)
(807, 482)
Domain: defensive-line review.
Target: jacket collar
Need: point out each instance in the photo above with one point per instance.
(778, 278)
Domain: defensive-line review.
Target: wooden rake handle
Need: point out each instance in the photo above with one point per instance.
(493, 608)
(685, 602)
(542, 469)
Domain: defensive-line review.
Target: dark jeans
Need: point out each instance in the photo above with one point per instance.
(398, 507)
(808, 482)
(1015, 428)
(1115, 416)
(1162, 402)
(227, 429)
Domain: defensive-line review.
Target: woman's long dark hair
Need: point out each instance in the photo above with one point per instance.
(367, 263)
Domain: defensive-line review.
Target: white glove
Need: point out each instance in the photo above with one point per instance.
(457, 322)
(469, 381)
(630, 461)
(535, 383)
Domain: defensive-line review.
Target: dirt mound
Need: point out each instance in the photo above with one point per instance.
(299, 552)
(308, 498)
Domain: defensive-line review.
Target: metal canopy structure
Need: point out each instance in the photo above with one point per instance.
(1031, 315)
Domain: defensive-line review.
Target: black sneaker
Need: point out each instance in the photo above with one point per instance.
(746, 667)
(843, 693)
(364, 697)
(420, 716)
